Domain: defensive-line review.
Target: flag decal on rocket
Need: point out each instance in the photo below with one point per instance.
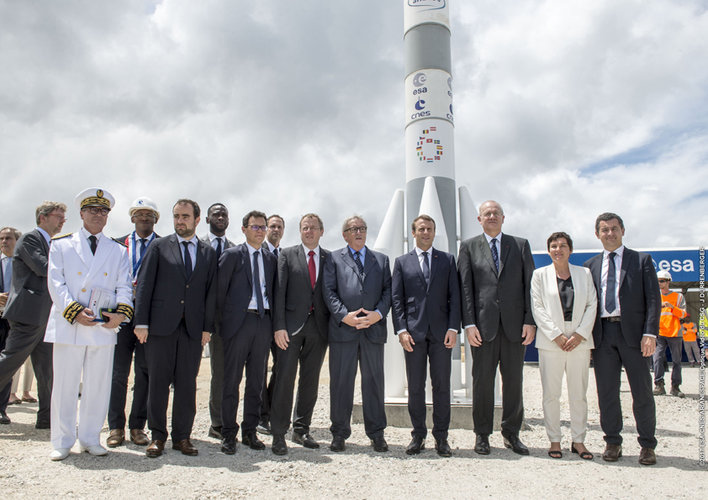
(428, 148)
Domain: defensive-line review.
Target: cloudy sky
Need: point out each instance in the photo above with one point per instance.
(564, 109)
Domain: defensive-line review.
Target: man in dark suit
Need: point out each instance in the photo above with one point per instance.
(426, 316)
(8, 240)
(247, 282)
(174, 316)
(357, 291)
(300, 322)
(625, 334)
(28, 305)
(274, 233)
(144, 215)
(495, 279)
(218, 220)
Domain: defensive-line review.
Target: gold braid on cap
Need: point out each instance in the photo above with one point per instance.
(93, 201)
(72, 311)
(125, 310)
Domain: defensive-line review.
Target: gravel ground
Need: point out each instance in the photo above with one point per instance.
(359, 472)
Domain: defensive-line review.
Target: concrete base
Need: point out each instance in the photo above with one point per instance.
(397, 415)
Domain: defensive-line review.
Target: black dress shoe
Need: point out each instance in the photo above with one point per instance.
(4, 419)
(279, 447)
(379, 444)
(251, 440)
(215, 432)
(612, 452)
(416, 445)
(228, 445)
(515, 444)
(443, 448)
(42, 425)
(305, 440)
(264, 428)
(481, 445)
(337, 444)
(647, 456)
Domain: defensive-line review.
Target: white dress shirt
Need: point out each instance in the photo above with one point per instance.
(261, 271)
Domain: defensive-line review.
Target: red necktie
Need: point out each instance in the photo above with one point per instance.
(311, 267)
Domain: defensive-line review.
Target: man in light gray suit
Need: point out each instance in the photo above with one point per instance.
(28, 305)
(495, 279)
(218, 220)
(357, 291)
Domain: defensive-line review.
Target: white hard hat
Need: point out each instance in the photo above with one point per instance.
(663, 275)
(94, 197)
(144, 203)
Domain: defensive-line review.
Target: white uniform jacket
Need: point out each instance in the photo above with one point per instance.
(548, 311)
(72, 275)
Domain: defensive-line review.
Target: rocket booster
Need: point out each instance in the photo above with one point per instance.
(429, 136)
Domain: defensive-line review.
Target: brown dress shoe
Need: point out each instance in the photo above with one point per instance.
(186, 447)
(155, 449)
(139, 437)
(612, 452)
(647, 456)
(115, 438)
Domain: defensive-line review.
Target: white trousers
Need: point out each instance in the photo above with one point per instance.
(576, 366)
(74, 364)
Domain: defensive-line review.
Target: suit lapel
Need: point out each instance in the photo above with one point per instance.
(553, 294)
(505, 246)
(247, 263)
(576, 275)
(369, 261)
(415, 262)
(82, 249)
(596, 270)
(487, 252)
(434, 264)
(626, 256)
(103, 250)
(44, 243)
(177, 254)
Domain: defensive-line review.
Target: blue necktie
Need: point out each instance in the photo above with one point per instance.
(610, 304)
(426, 268)
(218, 247)
(357, 261)
(257, 284)
(187, 260)
(495, 253)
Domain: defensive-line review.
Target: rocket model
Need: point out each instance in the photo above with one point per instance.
(429, 120)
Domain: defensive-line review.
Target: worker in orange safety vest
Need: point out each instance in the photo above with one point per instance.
(673, 309)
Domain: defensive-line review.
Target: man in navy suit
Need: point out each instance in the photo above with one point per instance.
(247, 281)
(625, 334)
(426, 317)
(175, 305)
(357, 291)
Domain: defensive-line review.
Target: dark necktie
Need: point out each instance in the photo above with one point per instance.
(426, 268)
(2, 275)
(218, 247)
(357, 261)
(93, 243)
(142, 246)
(275, 252)
(311, 267)
(495, 253)
(187, 260)
(610, 304)
(257, 284)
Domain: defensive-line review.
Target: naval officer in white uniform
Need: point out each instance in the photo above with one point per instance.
(88, 272)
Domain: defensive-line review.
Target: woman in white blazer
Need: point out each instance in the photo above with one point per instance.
(564, 304)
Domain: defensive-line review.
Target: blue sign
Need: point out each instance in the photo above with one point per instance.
(682, 264)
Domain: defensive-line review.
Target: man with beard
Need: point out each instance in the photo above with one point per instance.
(175, 306)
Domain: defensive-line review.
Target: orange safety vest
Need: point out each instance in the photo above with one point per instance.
(689, 332)
(669, 324)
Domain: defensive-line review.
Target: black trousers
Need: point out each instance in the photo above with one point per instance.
(216, 388)
(172, 359)
(343, 357)
(509, 356)
(268, 384)
(307, 348)
(247, 348)
(126, 346)
(609, 357)
(25, 340)
(416, 372)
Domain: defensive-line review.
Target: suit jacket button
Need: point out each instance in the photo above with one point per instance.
(83, 289)
(105, 274)
(187, 286)
(181, 301)
(79, 273)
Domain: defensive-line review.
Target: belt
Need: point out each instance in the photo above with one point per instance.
(612, 319)
(255, 311)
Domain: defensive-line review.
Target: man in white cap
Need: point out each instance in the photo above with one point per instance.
(144, 214)
(89, 282)
(673, 309)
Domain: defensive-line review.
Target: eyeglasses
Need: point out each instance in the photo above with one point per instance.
(97, 210)
(60, 216)
(357, 229)
(664, 281)
(254, 227)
